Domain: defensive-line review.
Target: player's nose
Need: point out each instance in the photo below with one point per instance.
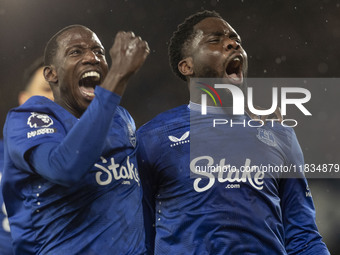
(231, 44)
(90, 57)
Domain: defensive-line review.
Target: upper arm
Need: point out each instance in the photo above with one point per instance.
(24, 131)
(298, 212)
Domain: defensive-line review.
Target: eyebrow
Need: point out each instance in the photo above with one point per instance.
(82, 47)
(215, 34)
(232, 34)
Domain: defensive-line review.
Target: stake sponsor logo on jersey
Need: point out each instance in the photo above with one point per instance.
(205, 176)
(177, 141)
(109, 171)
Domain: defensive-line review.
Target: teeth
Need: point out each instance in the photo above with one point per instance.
(94, 74)
(237, 59)
(89, 93)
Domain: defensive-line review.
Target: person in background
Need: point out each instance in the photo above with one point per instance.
(35, 83)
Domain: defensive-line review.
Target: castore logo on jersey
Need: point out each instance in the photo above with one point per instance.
(177, 141)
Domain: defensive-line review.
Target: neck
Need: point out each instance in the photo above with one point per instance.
(77, 113)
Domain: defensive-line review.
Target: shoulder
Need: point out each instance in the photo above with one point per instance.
(284, 138)
(33, 112)
(35, 104)
(156, 137)
(38, 118)
(158, 132)
(167, 120)
(285, 133)
(123, 113)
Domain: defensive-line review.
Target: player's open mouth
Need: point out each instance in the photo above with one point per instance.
(88, 82)
(234, 70)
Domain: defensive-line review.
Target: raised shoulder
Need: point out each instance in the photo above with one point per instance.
(168, 118)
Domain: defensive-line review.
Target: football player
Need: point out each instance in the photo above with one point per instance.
(191, 210)
(70, 180)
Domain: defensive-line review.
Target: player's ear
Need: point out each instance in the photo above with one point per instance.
(185, 66)
(50, 74)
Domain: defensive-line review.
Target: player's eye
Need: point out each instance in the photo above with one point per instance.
(75, 52)
(214, 40)
(99, 52)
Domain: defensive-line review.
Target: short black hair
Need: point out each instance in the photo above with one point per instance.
(182, 36)
(52, 45)
(30, 71)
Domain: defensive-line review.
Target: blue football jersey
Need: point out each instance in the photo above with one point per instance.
(71, 185)
(189, 210)
(5, 235)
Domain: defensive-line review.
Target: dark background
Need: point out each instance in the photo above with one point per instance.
(283, 39)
